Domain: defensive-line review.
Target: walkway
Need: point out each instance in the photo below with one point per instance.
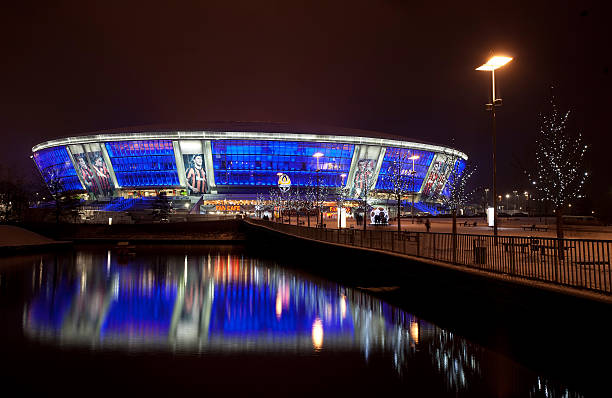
(585, 264)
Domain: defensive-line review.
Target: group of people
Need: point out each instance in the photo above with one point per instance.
(97, 177)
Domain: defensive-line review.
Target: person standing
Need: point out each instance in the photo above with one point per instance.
(427, 224)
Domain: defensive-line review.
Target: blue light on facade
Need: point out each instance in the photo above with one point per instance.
(143, 163)
(252, 162)
(55, 166)
(421, 165)
(459, 167)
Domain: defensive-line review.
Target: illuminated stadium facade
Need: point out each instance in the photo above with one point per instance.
(235, 161)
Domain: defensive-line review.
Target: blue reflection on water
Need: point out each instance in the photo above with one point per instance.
(231, 303)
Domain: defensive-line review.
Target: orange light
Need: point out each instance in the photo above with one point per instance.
(317, 334)
(279, 305)
(494, 63)
(414, 332)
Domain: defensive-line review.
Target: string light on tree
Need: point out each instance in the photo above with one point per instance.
(559, 175)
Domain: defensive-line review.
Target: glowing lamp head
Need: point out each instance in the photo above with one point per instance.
(317, 155)
(494, 63)
(414, 157)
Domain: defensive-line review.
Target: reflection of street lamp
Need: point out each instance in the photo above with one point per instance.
(317, 155)
(492, 64)
(413, 175)
(280, 200)
(340, 201)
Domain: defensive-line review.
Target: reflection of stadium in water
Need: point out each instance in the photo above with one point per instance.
(229, 303)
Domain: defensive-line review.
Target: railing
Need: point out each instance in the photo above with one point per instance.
(578, 263)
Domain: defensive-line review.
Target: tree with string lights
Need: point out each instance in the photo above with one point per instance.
(455, 194)
(399, 180)
(559, 175)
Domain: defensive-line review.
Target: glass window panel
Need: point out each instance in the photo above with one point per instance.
(421, 165)
(143, 163)
(56, 168)
(252, 162)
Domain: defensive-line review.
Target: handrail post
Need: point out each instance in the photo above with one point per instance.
(433, 236)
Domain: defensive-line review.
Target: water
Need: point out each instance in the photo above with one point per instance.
(215, 320)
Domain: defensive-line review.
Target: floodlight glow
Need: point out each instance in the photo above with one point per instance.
(494, 63)
(317, 155)
(414, 157)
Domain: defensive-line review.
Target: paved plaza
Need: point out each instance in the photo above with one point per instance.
(507, 227)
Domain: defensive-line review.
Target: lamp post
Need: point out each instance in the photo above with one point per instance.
(412, 174)
(317, 155)
(492, 64)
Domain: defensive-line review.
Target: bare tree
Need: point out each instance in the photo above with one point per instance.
(313, 197)
(67, 204)
(455, 194)
(399, 181)
(559, 175)
(365, 194)
(309, 199)
(342, 194)
(276, 200)
(259, 204)
(295, 197)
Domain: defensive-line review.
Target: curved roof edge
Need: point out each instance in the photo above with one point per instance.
(248, 130)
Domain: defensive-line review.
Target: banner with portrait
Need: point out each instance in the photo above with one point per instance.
(195, 174)
(94, 173)
(437, 177)
(363, 178)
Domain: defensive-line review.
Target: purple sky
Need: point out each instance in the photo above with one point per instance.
(401, 67)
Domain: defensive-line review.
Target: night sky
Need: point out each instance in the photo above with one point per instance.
(400, 67)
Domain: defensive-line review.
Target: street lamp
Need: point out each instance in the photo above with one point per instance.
(317, 155)
(507, 205)
(412, 174)
(492, 64)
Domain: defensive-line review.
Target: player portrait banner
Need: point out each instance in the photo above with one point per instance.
(195, 174)
(438, 176)
(94, 173)
(363, 177)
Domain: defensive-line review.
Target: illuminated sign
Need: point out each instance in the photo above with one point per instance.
(227, 207)
(284, 182)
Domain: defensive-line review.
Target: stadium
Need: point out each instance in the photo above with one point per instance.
(232, 167)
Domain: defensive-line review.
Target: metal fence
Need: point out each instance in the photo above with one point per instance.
(578, 263)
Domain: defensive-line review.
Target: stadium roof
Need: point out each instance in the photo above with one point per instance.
(183, 130)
